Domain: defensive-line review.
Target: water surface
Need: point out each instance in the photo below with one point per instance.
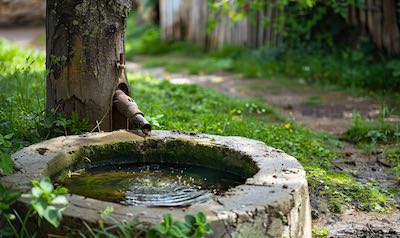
(152, 185)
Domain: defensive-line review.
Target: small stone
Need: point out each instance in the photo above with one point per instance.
(285, 186)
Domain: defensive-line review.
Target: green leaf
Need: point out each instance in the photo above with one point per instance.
(167, 220)
(185, 228)
(8, 137)
(176, 232)
(53, 216)
(160, 229)
(190, 220)
(61, 190)
(35, 183)
(40, 207)
(46, 184)
(107, 212)
(6, 164)
(59, 200)
(201, 218)
(36, 192)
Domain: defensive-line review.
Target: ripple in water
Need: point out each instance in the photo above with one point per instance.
(153, 185)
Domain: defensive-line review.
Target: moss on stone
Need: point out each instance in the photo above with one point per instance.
(176, 151)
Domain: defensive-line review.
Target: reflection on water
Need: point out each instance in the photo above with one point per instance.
(152, 185)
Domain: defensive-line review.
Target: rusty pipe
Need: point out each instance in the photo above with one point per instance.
(128, 107)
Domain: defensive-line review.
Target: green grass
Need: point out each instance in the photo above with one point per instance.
(21, 100)
(181, 107)
(23, 120)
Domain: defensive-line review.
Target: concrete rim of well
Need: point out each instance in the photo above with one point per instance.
(272, 203)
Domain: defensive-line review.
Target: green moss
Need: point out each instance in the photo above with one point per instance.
(342, 191)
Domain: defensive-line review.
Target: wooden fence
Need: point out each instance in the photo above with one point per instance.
(188, 20)
(381, 19)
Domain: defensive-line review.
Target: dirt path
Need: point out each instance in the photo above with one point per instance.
(25, 36)
(320, 109)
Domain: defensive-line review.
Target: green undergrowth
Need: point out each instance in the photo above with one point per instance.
(362, 130)
(345, 68)
(179, 107)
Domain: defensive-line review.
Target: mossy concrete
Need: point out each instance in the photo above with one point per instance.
(273, 202)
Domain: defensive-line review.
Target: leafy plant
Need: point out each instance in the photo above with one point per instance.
(368, 131)
(45, 199)
(194, 226)
(57, 124)
(6, 164)
(47, 202)
(169, 228)
(320, 233)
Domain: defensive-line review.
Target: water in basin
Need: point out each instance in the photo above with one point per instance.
(151, 184)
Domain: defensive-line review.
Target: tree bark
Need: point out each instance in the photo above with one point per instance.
(84, 40)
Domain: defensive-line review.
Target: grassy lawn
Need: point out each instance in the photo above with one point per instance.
(180, 107)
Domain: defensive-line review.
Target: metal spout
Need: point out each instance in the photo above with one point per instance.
(128, 107)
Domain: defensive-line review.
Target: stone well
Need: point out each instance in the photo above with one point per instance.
(273, 202)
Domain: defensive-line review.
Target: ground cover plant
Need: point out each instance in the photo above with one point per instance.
(23, 121)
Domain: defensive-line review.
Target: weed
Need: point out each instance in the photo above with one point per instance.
(194, 226)
(46, 202)
(320, 233)
(362, 130)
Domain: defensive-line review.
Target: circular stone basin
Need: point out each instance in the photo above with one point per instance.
(257, 191)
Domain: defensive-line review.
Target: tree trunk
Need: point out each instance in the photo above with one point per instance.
(84, 40)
